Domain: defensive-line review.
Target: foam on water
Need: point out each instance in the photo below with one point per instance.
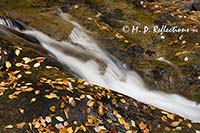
(115, 76)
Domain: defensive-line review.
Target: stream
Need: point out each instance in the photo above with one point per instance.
(82, 55)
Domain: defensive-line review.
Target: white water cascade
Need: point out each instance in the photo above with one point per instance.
(115, 76)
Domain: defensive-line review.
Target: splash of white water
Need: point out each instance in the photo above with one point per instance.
(120, 80)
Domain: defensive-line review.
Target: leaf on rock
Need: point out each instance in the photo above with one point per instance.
(17, 52)
(8, 64)
(66, 130)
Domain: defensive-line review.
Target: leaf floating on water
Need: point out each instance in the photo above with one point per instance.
(8, 64)
(17, 52)
(36, 65)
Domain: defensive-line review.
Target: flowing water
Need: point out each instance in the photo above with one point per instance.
(88, 61)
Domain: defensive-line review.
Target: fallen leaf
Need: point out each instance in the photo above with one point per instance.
(9, 126)
(26, 60)
(175, 123)
(51, 96)
(17, 52)
(170, 116)
(66, 130)
(21, 125)
(52, 108)
(142, 125)
(48, 119)
(8, 64)
(36, 65)
(60, 119)
(60, 126)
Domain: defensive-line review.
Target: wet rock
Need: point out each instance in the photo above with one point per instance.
(113, 18)
(65, 9)
(135, 51)
(139, 3)
(193, 72)
(116, 14)
(166, 18)
(158, 73)
(150, 52)
(196, 6)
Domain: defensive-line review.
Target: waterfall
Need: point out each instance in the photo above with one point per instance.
(90, 61)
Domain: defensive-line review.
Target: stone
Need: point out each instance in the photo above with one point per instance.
(135, 51)
(196, 6)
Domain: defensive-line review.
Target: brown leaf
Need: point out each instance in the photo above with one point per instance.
(66, 130)
(21, 125)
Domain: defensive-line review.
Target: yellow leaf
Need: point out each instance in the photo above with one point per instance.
(175, 123)
(51, 96)
(8, 64)
(36, 65)
(142, 125)
(170, 116)
(66, 130)
(26, 60)
(52, 108)
(18, 64)
(17, 52)
(9, 126)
